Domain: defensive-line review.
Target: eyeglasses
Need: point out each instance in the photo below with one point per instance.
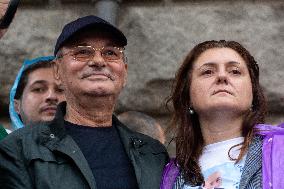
(87, 53)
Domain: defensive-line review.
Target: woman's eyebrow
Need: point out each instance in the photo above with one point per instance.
(233, 62)
(207, 64)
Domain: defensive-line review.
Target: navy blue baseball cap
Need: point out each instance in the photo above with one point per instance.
(75, 26)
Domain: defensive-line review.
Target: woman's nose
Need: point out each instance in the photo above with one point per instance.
(222, 77)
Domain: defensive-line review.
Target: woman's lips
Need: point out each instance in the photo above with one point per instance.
(222, 91)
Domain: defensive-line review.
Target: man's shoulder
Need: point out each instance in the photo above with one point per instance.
(18, 138)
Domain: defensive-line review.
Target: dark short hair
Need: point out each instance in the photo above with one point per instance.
(25, 76)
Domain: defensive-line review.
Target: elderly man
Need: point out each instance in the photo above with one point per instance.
(35, 94)
(85, 146)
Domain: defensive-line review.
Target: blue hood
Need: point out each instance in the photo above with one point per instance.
(16, 121)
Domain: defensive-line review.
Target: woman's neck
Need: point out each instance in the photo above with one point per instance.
(220, 127)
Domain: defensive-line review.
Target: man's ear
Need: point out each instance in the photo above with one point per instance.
(56, 70)
(17, 105)
(125, 76)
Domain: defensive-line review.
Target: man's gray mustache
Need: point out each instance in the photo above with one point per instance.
(88, 74)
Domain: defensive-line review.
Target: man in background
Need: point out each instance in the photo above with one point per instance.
(35, 93)
(142, 123)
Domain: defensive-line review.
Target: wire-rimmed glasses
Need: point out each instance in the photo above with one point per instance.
(87, 53)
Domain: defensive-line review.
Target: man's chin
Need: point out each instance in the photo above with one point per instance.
(97, 92)
(47, 118)
(43, 120)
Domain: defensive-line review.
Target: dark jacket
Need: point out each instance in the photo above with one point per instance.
(252, 174)
(44, 156)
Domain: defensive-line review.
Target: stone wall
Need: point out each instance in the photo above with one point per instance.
(160, 33)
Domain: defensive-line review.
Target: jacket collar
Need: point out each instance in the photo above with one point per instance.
(129, 138)
(56, 139)
(57, 124)
(253, 161)
(135, 144)
(139, 148)
(136, 141)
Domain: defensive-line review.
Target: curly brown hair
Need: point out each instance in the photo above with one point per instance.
(188, 135)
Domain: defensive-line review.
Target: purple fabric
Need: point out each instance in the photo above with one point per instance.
(170, 174)
(272, 155)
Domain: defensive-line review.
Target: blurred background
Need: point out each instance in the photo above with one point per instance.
(160, 33)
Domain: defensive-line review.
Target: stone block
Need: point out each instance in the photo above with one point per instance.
(159, 38)
(76, 1)
(34, 2)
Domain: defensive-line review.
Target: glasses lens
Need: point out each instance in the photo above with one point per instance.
(111, 53)
(83, 53)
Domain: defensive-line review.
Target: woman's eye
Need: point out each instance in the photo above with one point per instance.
(207, 72)
(236, 72)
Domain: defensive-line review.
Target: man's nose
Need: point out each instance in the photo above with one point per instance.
(97, 60)
(51, 95)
